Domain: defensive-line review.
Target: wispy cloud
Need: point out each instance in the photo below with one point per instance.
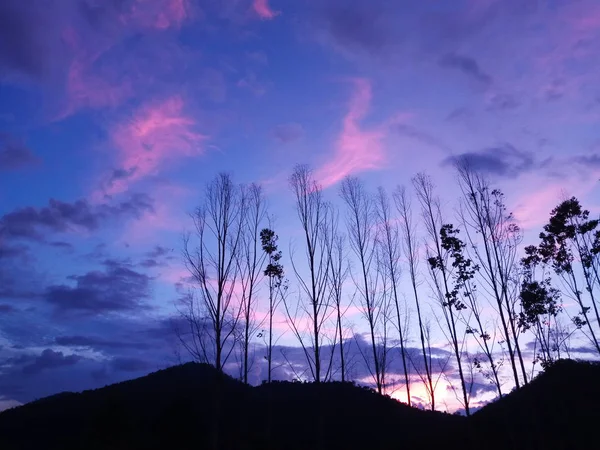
(466, 65)
(14, 155)
(357, 149)
(158, 133)
(159, 14)
(264, 10)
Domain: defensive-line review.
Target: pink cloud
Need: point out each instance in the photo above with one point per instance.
(88, 90)
(158, 134)
(533, 208)
(161, 14)
(98, 76)
(357, 149)
(262, 8)
(87, 84)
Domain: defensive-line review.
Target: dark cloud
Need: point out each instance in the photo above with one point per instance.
(130, 364)
(116, 176)
(504, 160)
(556, 90)
(21, 42)
(139, 343)
(503, 102)
(584, 164)
(357, 350)
(118, 288)
(14, 155)
(589, 161)
(459, 113)
(466, 65)
(97, 14)
(288, 132)
(62, 245)
(6, 309)
(157, 257)
(31, 222)
(585, 350)
(99, 343)
(11, 251)
(356, 25)
(159, 251)
(49, 359)
(18, 277)
(150, 263)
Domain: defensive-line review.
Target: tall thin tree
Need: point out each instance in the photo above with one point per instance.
(252, 261)
(212, 313)
(314, 299)
(437, 257)
(274, 272)
(410, 245)
(363, 238)
(338, 273)
(389, 242)
(494, 238)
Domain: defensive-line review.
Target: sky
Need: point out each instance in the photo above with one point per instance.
(115, 113)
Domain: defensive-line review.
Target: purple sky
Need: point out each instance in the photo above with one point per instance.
(114, 114)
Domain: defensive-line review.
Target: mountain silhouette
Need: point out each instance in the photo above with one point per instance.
(191, 406)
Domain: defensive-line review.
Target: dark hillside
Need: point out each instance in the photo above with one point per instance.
(559, 409)
(174, 409)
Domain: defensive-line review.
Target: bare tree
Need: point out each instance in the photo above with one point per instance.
(314, 299)
(485, 337)
(212, 312)
(384, 303)
(251, 263)
(390, 264)
(363, 238)
(274, 271)
(494, 238)
(441, 271)
(403, 207)
(338, 272)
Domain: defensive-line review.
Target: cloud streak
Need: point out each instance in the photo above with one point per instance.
(357, 149)
(503, 160)
(157, 134)
(118, 288)
(466, 65)
(14, 155)
(264, 10)
(58, 217)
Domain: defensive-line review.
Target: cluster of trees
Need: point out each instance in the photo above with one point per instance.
(407, 266)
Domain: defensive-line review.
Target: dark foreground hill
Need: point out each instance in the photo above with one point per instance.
(190, 407)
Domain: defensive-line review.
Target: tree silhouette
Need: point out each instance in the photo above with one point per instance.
(403, 207)
(438, 251)
(494, 238)
(569, 238)
(539, 307)
(363, 239)
(212, 312)
(274, 272)
(251, 262)
(314, 299)
(389, 243)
